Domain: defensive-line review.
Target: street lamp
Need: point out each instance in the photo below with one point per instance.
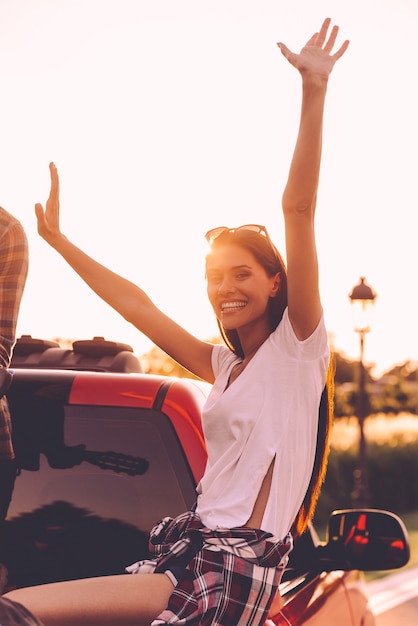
(362, 299)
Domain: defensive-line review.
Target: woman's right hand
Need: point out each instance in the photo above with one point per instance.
(48, 219)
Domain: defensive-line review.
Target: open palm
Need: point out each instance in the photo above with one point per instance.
(316, 56)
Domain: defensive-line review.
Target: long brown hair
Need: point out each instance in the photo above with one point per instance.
(267, 255)
(325, 417)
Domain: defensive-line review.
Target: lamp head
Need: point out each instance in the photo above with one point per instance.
(362, 298)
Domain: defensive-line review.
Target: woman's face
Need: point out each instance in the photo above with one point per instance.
(238, 287)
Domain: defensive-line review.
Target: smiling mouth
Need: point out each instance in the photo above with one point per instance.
(227, 307)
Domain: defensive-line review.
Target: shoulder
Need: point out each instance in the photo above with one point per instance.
(285, 339)
(222, 358)
(10, 228)
(7, 219)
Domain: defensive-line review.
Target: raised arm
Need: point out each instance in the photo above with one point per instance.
(315, 63)
(122, 295)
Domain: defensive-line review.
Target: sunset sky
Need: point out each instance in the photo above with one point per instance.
(168, 117)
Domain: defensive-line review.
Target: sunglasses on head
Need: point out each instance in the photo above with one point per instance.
(214, 233)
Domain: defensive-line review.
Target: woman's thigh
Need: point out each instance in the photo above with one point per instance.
(125, 600)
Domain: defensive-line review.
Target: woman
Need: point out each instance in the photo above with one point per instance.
(261, 418)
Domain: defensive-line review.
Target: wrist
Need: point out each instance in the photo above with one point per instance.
(56, 241)
(314, 83)
(314, 87)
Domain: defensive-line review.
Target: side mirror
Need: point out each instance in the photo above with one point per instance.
(366, 539)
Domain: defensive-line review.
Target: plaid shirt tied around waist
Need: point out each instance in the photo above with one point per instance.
(222, 577)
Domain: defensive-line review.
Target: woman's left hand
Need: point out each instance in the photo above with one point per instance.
(315, 58)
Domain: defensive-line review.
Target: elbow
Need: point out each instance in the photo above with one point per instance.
(298, 209)
(298, 206)
(131, 314)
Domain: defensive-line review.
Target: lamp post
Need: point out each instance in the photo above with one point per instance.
(362, 299)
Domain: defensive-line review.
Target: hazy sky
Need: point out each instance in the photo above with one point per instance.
(169, 117)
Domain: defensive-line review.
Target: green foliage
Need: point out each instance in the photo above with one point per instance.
(394, 392)
(396, 396)
(392, 478)
(393, 472)
(346, 370)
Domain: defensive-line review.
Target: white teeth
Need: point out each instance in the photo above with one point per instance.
(232, 305)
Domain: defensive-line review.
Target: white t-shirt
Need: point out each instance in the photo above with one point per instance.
(269, 412)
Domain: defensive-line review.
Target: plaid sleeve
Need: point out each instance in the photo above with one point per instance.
(13, 272)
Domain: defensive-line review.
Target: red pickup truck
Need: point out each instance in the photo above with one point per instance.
(104, 451)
